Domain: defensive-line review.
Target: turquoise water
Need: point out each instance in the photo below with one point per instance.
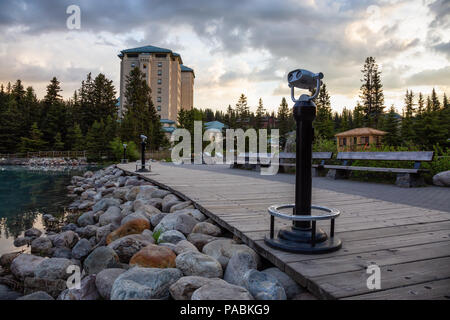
(26, 194)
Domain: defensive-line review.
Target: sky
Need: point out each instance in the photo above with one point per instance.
(234, 47)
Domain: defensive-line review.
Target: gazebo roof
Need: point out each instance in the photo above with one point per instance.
(361, 132)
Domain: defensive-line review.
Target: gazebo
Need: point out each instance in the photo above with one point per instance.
(359, 139)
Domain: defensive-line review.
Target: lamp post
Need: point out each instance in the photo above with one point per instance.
(303, 236)
(142, 169)
(124, 160)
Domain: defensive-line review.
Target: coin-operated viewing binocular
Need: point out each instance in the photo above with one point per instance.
(304, 79)
(144, 138)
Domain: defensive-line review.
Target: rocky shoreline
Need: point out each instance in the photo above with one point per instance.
(133, 240)
(44, 162)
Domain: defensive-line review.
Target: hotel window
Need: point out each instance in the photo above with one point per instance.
(159, 64)
(158, 99)
(159, 72)
(145, 66)
(159, 81)
(159, 90)
(159, 108)
(133, 65)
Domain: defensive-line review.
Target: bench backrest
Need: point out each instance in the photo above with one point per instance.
(398, 155)
(315, 155)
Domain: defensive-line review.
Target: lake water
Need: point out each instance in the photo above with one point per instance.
(28, 193)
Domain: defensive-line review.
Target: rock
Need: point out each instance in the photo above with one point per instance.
(221, 291)
(62, 253)
(159, 193)
(198, 264)
(171, 236)
(169, 201)
(42, 246)
(99, 259)
(113, 215)
(82, 249)
(51, 286)
(105, 203)
(238, 265)
(154, 220)
(132, 193)
(185, 286)
(66, 239)
(24, 265)
(88, 174)
(38, 295)
(195, 213)
(153, 256)
(149, 210)
(7, 258)
(442, 179)
(127, 246)
(105, 279)
(200, 240)
(7, 294)
(177, 221)
(148, 234)
(144, 283)
(78, 190)
(207, 228)
(183, 246)
(120, 193)
(169, 245)
(224, 249)
(103, 232)
(156, 202)
(53, 268)
(69, 227)
(263, 286)
(86, 219)
(291, 287)
(22, 241)
(134, 216)
(134, 226)
(180, 206)
(87, 291)
(86, 204)
(33, 233)
(145, 192)
(87, 232)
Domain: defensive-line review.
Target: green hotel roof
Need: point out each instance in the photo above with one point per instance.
(148, 49)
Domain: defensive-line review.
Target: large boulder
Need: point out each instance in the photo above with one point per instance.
(144, 283)
(62, 252)
(207, 228)
(120, 193)
(101, 258)
(171, 236)
(41, 246)
(153, 256)
(169, 201)
(38, 295)
(131, 227)
(33, 233)
(112, 216)
(82, 249)
(53, 268)
(238, 265)
(105, 280)
(102, 232)
(7, 258)
(176, 221)
(193, 263)
(263, 286)
(127, 246)
(22, 241)
(132, 193)
(221, 291)
(183, 246)
(7, 294)
(105, 203)
(185, 286)
(291, 287)
(159, 193)
(224, 249)
(87, 232)
(66, 239)
(442, 179)
(145, 192)
(87, 291)
(24, 265)
(200, 240)
(86, 219)
(181, 206)
(195, 213)
(134, 216)
(156, 219)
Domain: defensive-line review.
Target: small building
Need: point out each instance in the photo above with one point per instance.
(359, 139)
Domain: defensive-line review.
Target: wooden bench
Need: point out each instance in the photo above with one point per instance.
(406, 177)
(256, 160)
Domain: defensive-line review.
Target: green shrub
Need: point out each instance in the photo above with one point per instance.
(116, 147)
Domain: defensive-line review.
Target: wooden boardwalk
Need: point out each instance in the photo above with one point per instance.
(411, 245)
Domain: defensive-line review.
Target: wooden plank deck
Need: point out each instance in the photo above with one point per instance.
(411, 245)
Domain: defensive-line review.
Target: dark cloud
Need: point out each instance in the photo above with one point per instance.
(430, 77)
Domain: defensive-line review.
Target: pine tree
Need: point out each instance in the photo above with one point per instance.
(435, 104)
(260, 112)
(323, 124)
(75, 139)
(34, 142)
(242, 109)
(58, 145)
(358, 116)
(372, 92)
(95, 141)
(285, 121)
(407, 130)
(53, 118)
(345, 123)
(391, 127)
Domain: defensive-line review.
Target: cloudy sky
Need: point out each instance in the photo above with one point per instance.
(245, 46)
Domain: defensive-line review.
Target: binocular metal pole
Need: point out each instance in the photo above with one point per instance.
(304, 236)
(142, 158)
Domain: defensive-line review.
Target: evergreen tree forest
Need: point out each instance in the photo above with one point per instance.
(86, 122)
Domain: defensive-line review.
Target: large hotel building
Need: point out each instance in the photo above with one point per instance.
(171, 82)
